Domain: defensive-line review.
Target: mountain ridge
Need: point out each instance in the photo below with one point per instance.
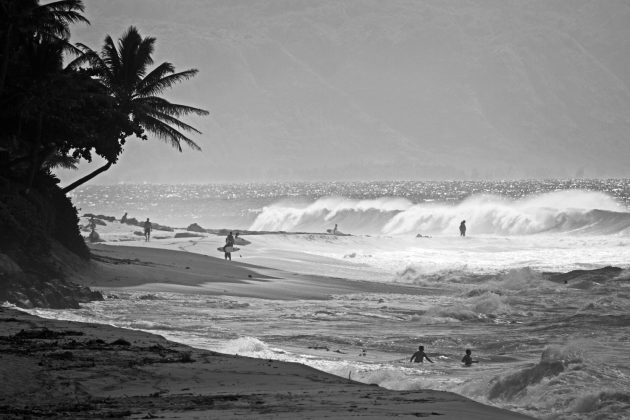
(388, 90)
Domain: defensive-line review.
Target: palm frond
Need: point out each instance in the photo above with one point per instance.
(144, 57)
(86, 56)
(53, 19)
(168, 134)
(169, 108)
(155, 75)
(61, 161)
(135, 55)
(171, 121)
(110, 56)
(158, 86)
(91, 57)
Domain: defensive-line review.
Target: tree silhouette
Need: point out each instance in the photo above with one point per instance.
(22, 21)
(123, 69)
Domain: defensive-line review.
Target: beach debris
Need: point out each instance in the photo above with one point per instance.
(120, 342)
(319, 348)
(186, 357)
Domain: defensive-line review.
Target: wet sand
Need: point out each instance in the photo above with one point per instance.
(62, 369)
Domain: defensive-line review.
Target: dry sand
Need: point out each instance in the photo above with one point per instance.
(159, 269)
(61, 369)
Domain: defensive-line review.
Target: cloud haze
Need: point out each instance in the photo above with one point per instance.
(397, 89)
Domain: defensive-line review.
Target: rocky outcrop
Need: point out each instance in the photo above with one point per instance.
(195, 228)
(40, 246)
(29, 290)
(133, 222)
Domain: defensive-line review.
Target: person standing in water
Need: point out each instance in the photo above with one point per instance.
(419, 356)
(462, 228)
(229, 242)
(147, 230)
(467, 359)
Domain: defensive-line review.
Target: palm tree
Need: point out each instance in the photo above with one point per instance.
(24, 20)
(123, 69)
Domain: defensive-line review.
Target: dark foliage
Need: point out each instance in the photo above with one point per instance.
(66, 228)
(53, 115)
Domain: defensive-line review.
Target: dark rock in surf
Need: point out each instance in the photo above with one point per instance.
(599, 275)
(195, 228)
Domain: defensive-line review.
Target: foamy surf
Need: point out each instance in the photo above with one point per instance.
(549, 346)
(563, 211)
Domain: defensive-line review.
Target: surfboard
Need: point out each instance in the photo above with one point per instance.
(228, 249)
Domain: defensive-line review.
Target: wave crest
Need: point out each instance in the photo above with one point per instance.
(562, 211)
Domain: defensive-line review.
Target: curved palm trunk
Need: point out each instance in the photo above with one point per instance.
(86, 178)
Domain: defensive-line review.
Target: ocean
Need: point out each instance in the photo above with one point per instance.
(550, 349)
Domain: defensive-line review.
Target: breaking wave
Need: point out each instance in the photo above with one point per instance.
(574, 211)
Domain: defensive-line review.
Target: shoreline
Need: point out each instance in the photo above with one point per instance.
(96, 370)
(62, 369)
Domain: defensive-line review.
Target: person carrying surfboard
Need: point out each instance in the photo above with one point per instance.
(229, 244)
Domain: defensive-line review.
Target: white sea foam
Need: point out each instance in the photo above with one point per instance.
(546, 349)
(562, 211)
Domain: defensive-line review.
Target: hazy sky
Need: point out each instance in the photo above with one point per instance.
(381, 90)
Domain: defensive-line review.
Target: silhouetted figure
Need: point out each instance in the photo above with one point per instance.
(419, 356)
(93, 235)
(229, 243)
(147, 230)
(124, 218)
(467, 359)
(462, 228)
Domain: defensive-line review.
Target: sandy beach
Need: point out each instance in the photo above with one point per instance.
(62, 369)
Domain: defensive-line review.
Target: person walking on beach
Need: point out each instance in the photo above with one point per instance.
(462, 228)
(229, 243)
(419, 356)
(147, 230)
(467, 359)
